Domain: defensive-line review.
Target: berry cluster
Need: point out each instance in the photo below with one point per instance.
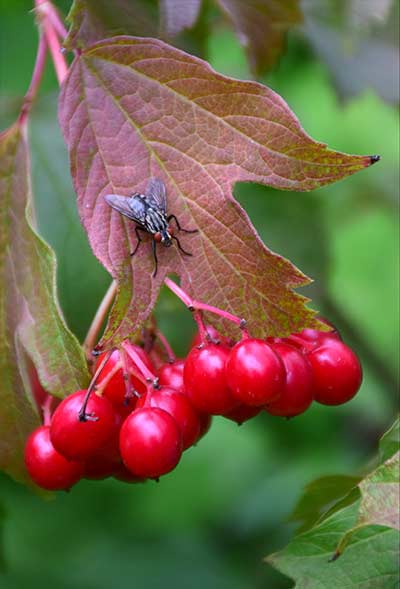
(140, 414)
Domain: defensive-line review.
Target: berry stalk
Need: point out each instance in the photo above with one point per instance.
(194, 305)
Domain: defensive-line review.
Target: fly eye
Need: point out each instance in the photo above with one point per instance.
(157, 237)
(170, 230)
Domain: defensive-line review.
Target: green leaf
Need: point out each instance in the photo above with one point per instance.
(359, 532)
(369, 561)
(134, 108)
(31, 325)
(390, 441)
(318, 497)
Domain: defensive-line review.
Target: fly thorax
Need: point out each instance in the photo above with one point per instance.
(155, 221)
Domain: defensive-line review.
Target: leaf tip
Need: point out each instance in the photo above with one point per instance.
(373, 159)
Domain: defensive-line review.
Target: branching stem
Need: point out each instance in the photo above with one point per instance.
(194, 306)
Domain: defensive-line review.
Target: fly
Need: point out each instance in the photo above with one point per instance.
(149, 211)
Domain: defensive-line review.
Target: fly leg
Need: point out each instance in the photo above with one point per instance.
(153, 247)
(180, 247)
(179, 225)
(139, 239)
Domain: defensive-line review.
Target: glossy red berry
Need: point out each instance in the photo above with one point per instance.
(106, 461)
(179, 407)
(115, 390)
(171, 375)
(297, 391)
(205, 424)
(75, 439)
(150, 442)
(337, 372)
(46, 467)
(242, 413)
(255, 373)
(205, 379)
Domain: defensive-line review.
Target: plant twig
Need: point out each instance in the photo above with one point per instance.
(194, 306)
(94, 329)
(35, 81)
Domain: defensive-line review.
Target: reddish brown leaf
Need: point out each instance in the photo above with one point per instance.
(31, 326)
(261, 26)
(135, 108)
(93, 20)
(177, 15)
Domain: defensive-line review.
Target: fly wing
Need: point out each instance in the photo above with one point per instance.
(156, 192)
(132, 207)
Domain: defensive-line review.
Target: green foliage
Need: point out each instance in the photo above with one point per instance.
(31, 325)
(354, 543)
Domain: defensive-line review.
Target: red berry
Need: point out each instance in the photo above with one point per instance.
(337, 372)
(297, 390)
(115, 390)
(179, 407)
(205, 379)
(150, 442)
(75, 439)
(46, 467)
(171, 375)
(255, 373)
(205, 424)
(107, 459)
(242, 413)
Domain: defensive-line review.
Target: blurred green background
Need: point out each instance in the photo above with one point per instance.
(210, 522)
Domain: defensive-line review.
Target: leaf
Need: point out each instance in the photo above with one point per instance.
(134, 108)
(359, 43)
(317, 497)
(380, 500)
(390, 441)
(370, 560)
(359, 531)
(261, 26)
(178, 15)
(93, 20)
(31, 324)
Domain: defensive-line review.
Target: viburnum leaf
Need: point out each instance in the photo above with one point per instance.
(31, 325)
(359, 42)
(318, 496)
(177, 15)
(380, 499)
(135, 108)
(261, 26)
(370, 559)
(360, 532)
(93, 20)
(390, 441)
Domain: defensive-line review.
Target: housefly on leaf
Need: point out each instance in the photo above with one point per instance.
(149, 211)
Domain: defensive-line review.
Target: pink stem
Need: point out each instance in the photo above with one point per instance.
(56, 21)
(194, 305)
(129, 369)
(46, 409)
(149, 376)
(53, 43)
(198, 317)
(166, 345)
(35, 81)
